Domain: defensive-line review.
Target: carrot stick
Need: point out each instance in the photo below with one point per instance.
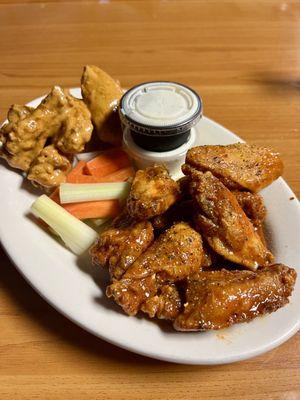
(94, 209)
(119, 176)
(90, 209)
(77, 170)
(81, 178)
(55, 195)
(106, 163)
(103, 208)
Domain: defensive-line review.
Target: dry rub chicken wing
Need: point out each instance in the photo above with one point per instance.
(238, 166)
(102, 94)
(223, 223)
(121, 244)
(176, 254)
(152, 193)
(218, 299)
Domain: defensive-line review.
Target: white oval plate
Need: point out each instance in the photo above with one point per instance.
(76, 289)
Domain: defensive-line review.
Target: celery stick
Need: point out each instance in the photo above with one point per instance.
(74, 233)
(80, 192)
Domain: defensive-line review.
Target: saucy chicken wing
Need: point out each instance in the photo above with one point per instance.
(50, 167)
(180, 211)
(223, 223)
(176, 254)
(252, 205)
(239, 165)
(166, 304)
(218, 299)
(61, 119)
(121, 244)
(102, 94)
(152, 193)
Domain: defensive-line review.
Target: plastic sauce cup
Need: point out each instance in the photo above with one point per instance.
(157, 120)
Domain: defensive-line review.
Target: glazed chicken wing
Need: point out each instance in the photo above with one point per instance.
(252, 205)
(152, 193)
(218, 299)
(238, 166)
(121, 244)
(166, 304)
(176, 254)
(180, 211)
(102, 93)
(223, 223)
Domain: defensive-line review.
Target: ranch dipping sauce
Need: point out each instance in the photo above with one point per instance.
(157, 121)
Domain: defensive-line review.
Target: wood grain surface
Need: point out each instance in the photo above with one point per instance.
(243, 57)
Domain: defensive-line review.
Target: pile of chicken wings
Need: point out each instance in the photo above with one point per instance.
(193, 251)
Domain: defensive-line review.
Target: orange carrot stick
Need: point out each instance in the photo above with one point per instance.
(55, 195)
(81, 178)
(77, 170)
(106, 163)
(119, 176)
(94, 209)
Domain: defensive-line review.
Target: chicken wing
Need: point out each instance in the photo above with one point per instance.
(218, 299)
(102, 93)
(166, 304)
(238, 166)
(60, 116)
(252, 205)
(152, 193)
(176, 254)
(61, 119)
(121, 244)
(180, 211)
(50, 167)
(224, 224)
